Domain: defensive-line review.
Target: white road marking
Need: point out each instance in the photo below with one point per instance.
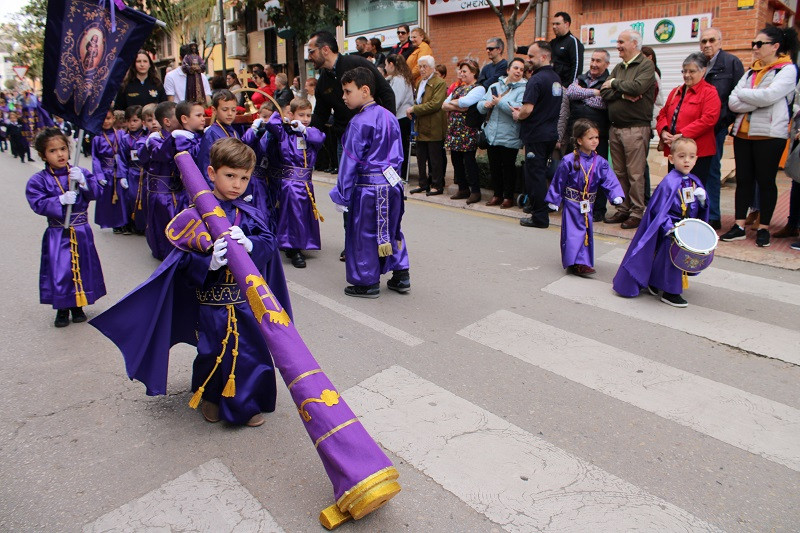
(355, 315)
(719, 326)
(753, 423)
(512, 477)
(208, 498)
(780, 291)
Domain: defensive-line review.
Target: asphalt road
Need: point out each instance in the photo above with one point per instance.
(509, 395)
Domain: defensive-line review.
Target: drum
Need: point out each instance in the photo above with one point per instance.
(693, 245)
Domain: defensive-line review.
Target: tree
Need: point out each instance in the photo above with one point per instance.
(511, 24)
(298, 19)
(27, 32)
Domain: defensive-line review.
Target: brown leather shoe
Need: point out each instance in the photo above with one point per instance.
(460, 195)
(210, 411)
(616, 218)
(754, 218)
(255, 420)
(494, 201)
(786, 232)
(632, 222)
(474, 198)
(508, 202)
(582, 270)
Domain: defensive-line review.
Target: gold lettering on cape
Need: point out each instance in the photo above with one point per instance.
(256, 300)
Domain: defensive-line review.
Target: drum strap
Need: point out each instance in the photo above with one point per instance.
(684, 275)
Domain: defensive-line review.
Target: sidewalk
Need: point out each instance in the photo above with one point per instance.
(778, 255)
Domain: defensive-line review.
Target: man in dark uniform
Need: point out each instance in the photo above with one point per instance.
(567, 50)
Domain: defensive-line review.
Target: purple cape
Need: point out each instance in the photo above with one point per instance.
(136, 195)
(165, 194)
(566, 189)
(647, 260)
(111, 210)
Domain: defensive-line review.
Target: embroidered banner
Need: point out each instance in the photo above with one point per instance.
(88, 48)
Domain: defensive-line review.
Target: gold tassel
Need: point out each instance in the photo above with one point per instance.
(80, 295)
(230, 387)
(114, 196)
(317, 214)
(385, 249)
(586, 237)
(195, 401)
(685, 280)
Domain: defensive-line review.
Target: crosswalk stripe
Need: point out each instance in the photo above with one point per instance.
(780, 291)
(753, 423)
(355, 315)
(516, 479)
(208, 498)
(719, 326)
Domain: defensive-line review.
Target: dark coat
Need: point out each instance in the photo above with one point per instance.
(724, 75)
(578, 109)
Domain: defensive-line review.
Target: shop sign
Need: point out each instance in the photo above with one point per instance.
(667, 30)
(443, 7)
(745, 4)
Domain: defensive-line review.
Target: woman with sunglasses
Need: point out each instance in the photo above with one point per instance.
(404, 46)
(763, 99)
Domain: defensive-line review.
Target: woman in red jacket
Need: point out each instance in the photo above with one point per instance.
(692, 111)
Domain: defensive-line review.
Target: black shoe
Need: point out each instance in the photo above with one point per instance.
(460, 195)
(341, 256)
(418, 189)
(434, 192)
(795, 245)
(78, 315)
(62, 318)
(762, 238)
(598, 216)
(363, 291)
(527, 209)
(126, 229)
(716, 224)
(298, 260)
(531, 223)
(653, 290)
(117, 231)
(735, 234)
(675, 300)
(400, 282)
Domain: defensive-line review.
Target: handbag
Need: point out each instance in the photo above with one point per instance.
(483, 140)
(792, 165)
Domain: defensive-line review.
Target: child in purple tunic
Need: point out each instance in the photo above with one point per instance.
(128, 153)
(224, 104)
(191, 122)
(70, 275)
(261, 193)
(298, 217)
(575, 185)
(111, 210)
(647, 262)
(192, 297)
(370, 189)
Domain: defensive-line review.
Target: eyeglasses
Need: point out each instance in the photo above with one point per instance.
(312, 50)
(712, 40)
(401, 32)
(491, 48)
(759, 44)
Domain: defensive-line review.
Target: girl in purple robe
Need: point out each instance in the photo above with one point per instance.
(575, 185)
(111, 210)
(129, 154)
(70, 275)
(647, 263)
(298, 217)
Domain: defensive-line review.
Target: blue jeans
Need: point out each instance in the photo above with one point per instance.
(715, 176)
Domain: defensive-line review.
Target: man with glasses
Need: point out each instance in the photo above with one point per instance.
(724, 72)
(404, 46)
(567, 50)
(497, 65)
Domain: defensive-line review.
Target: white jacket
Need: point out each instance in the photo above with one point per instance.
(768, 104)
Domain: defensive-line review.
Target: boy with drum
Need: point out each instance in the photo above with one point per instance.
(648, 262)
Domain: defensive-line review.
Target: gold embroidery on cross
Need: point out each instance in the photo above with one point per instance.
(256, 298)
(216, 212)
(328, 397)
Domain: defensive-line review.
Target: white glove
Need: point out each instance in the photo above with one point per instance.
(182, 133)
(124, 183)
(341, 208)
(617, 200)
(297, 126)
(248, 198)
(238, 235)
(257, 123)
(154, 135)
(102, 183)
(218, 259)
(68, 198)
(76, 176)
(700, 194)
(553, 207)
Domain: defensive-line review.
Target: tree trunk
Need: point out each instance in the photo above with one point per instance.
(301, 64)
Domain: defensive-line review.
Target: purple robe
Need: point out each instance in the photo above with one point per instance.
(136, 194)
(111, 210)
(370, 145)
(647, 261)
(566, 189)
(212, 134)
(165, 194)
(56, 283)
(171, 298)
(262, 194)
(298, 218)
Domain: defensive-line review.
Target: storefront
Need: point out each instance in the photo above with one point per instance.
(376, 18)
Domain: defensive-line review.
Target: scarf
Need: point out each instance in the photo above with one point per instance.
(193, 66)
